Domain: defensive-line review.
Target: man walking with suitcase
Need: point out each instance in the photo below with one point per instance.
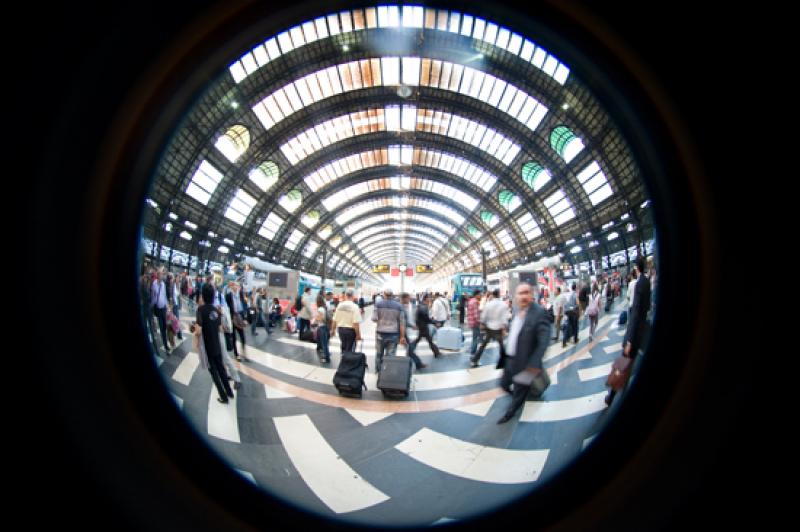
(391, 327)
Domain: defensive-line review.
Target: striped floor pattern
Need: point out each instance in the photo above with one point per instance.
(374, 461)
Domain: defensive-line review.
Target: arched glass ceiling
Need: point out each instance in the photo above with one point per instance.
(399, 183)
(400, 202)
(392, 71)
(427, 238)
(365, 237)
(403, 216)
(399, 118)
(400, 245)
(400, 155)
(398, 250)
(411, 17)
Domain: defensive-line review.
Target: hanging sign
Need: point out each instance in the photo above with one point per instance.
(380, 268)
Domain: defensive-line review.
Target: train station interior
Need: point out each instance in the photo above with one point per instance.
(482, 177)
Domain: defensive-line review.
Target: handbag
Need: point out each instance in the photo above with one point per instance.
(620, 372)
(238, 321)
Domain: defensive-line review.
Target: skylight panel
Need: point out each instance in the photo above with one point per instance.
(515, 44)
(479, 27)
(550, 65)
(240, 207)
(409, 118)
(390, 70)
(311, 248)
(204, 182)
(529, 226)
(537, 116)
(333, 24)
(539, 57)
(294, 239)
(321, 27)
(503, 36)
(491, 33)
(561, 74)
(272, 49)
(573, 148)
(455, 22)
(466, 26)
(296, 34)
(559, 207)
(260, 55)
(411, 69)
(270, 226)
(527, 50)
(412, 17)
(347, 22)
(249, 63)
(294, 98)
(237, 71)
(371, 17)
(309, 31)
(285, 42)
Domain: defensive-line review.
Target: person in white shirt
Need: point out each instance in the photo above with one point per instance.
(494, 319)
(248, 284)
(440, 311)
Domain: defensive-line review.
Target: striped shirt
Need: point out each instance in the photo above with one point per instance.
(473, 313)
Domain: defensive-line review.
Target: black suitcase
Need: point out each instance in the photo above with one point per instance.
(349, 376)
(394, 379)
(308, 336)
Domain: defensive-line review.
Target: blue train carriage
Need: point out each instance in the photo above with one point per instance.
(465, 283)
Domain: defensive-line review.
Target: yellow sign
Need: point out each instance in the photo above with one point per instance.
(424, 268)
(380, 268)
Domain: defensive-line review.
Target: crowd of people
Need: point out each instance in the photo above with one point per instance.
(522, 325)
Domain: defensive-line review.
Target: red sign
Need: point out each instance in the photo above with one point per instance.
(409, 272)
(395, 272)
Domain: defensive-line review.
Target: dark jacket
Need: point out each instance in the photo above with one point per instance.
(423, 317)
(637, 321)
(534, 337)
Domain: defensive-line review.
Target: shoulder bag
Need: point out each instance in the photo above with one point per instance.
(620, 372)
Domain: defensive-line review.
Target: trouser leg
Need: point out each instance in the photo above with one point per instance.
(347, 337)
(476, 337)
(411, 354)
(240, 332)
(322, 333)
(558, 326)
(231, 367)
(220, 378)
(161, 316)
(433, 346)
(517, 398)
(486, 338)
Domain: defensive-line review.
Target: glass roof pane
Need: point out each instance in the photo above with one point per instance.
(411, 69)
(237, 72)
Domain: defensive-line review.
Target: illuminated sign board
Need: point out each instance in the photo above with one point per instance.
(380, 268)
(424, 268)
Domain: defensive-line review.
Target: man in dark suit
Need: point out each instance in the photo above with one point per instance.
(528, 337)
(237, 305)
(635, 334)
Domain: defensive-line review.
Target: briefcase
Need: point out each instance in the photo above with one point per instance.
(620, 371)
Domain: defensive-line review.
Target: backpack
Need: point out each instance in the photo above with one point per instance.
(572, 305)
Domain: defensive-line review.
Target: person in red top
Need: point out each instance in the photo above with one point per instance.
(474, 320)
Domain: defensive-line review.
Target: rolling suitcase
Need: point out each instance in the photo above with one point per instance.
(394, 379)
(349, 376)
(449, 338)
(623, 318)
(308, 336)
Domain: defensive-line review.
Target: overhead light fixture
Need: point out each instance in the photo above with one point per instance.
(346, 48)
(235, 105)
(565, 106)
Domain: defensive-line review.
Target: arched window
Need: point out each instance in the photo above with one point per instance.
(565, 143)
(489, 218)
(265, 175)
(508, 200)
(535, 175)
(234, 142)
(291, 201)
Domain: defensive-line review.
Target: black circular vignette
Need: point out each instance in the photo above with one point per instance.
(122, 449)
